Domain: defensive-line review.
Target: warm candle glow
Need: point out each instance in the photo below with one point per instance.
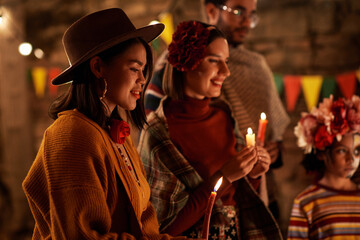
(262, 129)
(263, 116)
(209, 207)
(218, 184)
(250, 137)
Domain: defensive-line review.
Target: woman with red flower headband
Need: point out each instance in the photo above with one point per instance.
(190, 143)
(329, 208)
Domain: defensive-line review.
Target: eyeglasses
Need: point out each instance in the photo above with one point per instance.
(241, 13)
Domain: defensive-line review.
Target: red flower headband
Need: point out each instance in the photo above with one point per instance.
(188, 45)
(331, 119)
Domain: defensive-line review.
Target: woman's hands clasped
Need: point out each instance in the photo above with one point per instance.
(251, 161)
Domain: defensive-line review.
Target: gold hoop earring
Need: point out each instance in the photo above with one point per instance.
(105, 89)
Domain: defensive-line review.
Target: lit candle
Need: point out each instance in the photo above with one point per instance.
(210, 204)
(250, 137)
(262, 128)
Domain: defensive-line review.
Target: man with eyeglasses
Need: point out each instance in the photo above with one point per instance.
(250, 89)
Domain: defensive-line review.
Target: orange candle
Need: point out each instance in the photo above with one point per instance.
(209, 207)
(250, 137)
(262, 128)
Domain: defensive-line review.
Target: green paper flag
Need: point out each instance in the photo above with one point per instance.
(279, 83)
(328, 86)
(155, 44)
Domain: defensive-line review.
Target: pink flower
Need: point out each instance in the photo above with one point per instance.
(353, 118)
(309, 122)
(305, 131)
(119, 130)
(323, 113)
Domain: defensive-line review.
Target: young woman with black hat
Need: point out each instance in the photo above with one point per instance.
(87, 181)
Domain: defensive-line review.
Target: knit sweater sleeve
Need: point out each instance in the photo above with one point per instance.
(73, 157)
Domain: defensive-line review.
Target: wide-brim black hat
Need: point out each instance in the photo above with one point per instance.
(97, 32)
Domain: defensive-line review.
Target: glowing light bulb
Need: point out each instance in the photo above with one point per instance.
(25, 48)
(39, 53)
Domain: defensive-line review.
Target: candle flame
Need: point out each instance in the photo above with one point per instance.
(249, 131)
(263, 116)
(218, 184)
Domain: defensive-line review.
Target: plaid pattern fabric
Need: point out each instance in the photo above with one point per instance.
(171, 176)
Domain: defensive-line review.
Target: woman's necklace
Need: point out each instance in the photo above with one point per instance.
(127, 161)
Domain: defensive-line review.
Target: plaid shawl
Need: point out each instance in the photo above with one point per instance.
(171, 178)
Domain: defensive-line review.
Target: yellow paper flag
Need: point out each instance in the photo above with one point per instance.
(311, 86)
(39, 80)
(358, 75)
(167, 19)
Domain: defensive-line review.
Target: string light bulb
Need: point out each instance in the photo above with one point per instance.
(25, 48)
(39, 53)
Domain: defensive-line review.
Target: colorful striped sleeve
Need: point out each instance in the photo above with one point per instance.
(298, 226)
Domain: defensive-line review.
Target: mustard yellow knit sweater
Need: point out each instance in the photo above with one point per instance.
(79, 187)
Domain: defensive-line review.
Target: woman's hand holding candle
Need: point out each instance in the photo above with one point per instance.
(240, 165)
(263, 163)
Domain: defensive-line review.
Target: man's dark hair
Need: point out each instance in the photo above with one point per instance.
(216, 2)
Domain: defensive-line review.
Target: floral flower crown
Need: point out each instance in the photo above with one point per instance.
(188, 45)
(331, 119)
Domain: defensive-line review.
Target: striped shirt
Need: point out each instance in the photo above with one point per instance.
(320, 212)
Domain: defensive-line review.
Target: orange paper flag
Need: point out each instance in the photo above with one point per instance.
(347, 84)
(53, 73)
(292, 86)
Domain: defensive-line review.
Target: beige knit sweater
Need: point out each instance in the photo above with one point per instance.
(80, 188)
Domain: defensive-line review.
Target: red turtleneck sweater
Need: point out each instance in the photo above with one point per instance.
(204, 135)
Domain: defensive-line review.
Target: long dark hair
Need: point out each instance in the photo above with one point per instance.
(83, 95)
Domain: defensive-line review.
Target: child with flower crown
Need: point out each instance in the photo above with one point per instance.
(329, 208)
(190, 143)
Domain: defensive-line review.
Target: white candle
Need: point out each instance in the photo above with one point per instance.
(250, 137)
